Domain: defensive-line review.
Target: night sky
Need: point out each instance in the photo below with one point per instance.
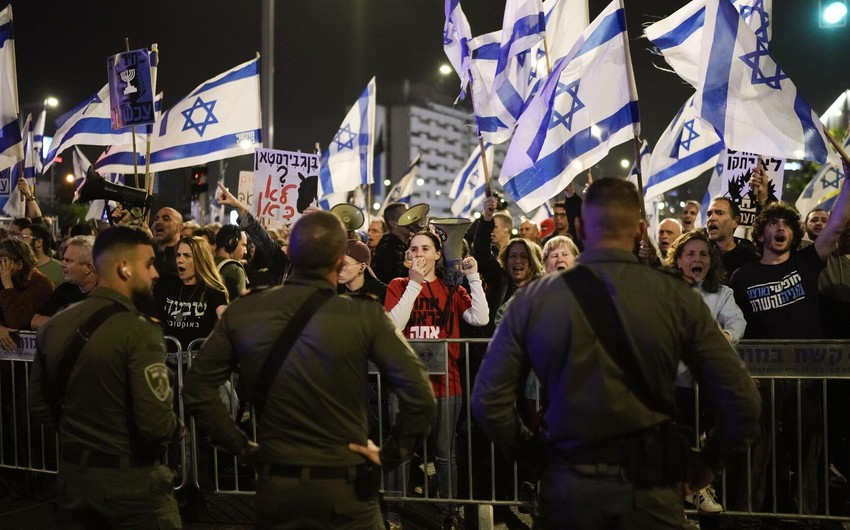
(326, 51)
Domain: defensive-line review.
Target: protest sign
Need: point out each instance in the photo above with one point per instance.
(285, 184)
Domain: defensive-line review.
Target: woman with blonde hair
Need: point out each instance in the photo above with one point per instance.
(190, 303)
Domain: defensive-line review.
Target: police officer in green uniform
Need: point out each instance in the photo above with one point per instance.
(115, 413)
(313, 430)
(613, 458)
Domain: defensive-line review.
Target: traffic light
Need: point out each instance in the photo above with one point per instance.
(833, 13)
(199, 181)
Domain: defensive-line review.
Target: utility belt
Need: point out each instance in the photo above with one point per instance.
(365, 477)
(657, 456)
(88, 458)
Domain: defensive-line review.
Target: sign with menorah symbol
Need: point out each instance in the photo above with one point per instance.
(131, 90)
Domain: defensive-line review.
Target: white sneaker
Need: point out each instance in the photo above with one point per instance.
(705, 501)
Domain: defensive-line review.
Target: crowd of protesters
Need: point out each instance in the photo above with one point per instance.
(790, 280)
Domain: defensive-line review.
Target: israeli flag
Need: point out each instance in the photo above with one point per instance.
(347, 163)
(587, 106)
(641, 165)
(38, 140)
(402, 191)
(469, 184)
(822, 190)
(11, 142)
(89, 123)
(679, 37)
(686, 149)
(219, 119)
(456, 37)
(15, 206)
(750, 100)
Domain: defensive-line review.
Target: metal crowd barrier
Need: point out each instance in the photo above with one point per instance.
(795, 379)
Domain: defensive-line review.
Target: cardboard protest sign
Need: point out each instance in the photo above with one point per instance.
(285, 184)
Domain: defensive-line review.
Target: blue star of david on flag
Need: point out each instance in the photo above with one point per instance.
(757, 8)
(836, 180)
(344, 144)
(753, 60)
(209, 119)
(576, 105)
(687, 128)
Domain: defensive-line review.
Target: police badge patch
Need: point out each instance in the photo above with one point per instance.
(157, 377)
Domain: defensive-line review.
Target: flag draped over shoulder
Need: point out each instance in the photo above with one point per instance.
(687, 148)
(587, 106)
(11, 142)
(679, 36)
(219, 119)
(347, 163)
(747, 97)
(456, 37)
(468, 186)
(402, 191)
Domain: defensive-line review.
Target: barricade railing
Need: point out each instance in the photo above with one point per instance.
(805, 386)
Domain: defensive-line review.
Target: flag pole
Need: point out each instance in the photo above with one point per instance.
(487, 191)
(836, 145)
(133, 130)
(148, 179)
(639, 176)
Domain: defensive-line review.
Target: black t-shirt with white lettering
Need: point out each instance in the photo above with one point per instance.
(781, 301)
(187, 312)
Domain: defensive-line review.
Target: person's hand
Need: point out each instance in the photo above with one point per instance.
(371, 451)
(7, 269)
(646, 252)
(700, 475)
(24, 188)
(468, 266)
(417, 269)
(311, 209)
(489, 207)
(758, 183)
(225, 198)
(6, 340)
(248, 456)
(589, 180)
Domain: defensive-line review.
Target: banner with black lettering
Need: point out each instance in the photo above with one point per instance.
(285, 184)
(737, 168)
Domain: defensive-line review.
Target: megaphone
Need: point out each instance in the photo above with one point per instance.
(416, 217)
(450, 231)
(351, 216)
(95, 187)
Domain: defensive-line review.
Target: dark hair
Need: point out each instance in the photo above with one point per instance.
(206, 233)
(438, 245)
(808, 215)
(535, 256)
(22, 222)
(618, 198)
(119, 238)
(40, 232)
(81, 229)
(773, 211)
(228, 237)
(733, 206)
(559, 204)
(715, 275)
(316, 243)
(16, 250)
(393, 212)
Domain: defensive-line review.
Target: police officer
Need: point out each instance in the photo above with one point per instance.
(312, 431)
(115, 412)
(613, 456)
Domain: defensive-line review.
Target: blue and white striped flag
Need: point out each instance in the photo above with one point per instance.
(11, 142)
(679, 36)
(402, 191)
(587, 106)
(822, 190)
(38, 140)
(641, 165)
(750, 100)
(89, 123)
(219, 119)
(468, 186)
(15, 206)
(347, 163)
(686, 149)
(456, 37)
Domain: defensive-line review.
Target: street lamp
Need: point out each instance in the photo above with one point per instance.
(446, 69)
(833, 13)
(51, 102)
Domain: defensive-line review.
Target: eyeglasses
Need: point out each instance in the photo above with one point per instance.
(559, 215)
(23, 236)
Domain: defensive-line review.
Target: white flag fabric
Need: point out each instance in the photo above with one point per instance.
(587, 106)
(348, 161)
(679, 36)
(565, 21)
(38, 140)
(402, 191)
(543, 212)
(469, 184)
(11, 141)
(505, 68)
(641, 165)
(750, 100)
(686, 149)
(456, 37)
(15, 206)
(89, 123)
(821, 191)
(81, 166)
(219, 119)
